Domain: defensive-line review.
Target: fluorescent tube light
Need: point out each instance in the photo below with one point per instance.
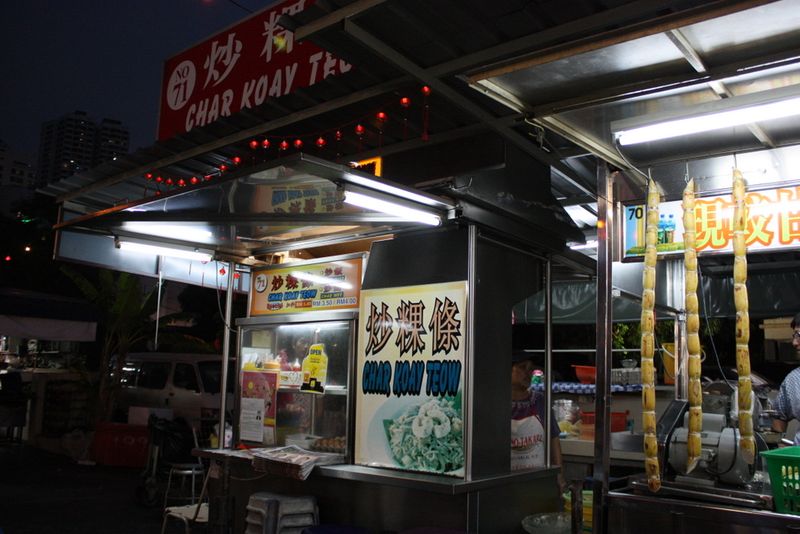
(322, 280)
(133, 246)
(592, 243)
(174, 231)
(709, 121)
(398, 210)
(392, 190)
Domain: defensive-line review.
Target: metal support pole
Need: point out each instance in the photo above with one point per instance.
(226, 348)
(681, 356)
(548, 360)
(158, 300)
(469, 373)
(602, 410)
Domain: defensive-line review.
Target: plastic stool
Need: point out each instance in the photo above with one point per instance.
(272, 513)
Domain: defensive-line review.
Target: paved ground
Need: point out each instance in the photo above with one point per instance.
(43, 493)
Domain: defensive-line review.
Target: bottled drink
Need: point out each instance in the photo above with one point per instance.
(538, 377)
(669, 229)
(662, 228)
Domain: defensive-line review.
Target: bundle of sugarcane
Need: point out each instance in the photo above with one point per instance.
(693, 443)
(648, 341)
(745, 391)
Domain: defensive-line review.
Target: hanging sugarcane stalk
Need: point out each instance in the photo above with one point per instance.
(745, 392)
(694, 442)
(648, 340)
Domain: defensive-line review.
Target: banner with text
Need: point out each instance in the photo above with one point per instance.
(239, 68)
(410, 372)
(311, 287)
(773, 223)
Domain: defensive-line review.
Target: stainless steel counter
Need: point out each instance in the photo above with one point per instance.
(387, 499)
(655, 514)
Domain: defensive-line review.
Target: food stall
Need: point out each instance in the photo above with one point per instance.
(688, 96)
(558, 90)
(348, 355)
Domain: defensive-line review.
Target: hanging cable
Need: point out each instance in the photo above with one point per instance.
(240, 6)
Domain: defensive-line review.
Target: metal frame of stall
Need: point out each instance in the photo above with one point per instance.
(468, 496)
(619, 506)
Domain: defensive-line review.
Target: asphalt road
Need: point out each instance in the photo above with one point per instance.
(43, 493)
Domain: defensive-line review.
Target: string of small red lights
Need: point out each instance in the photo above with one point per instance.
(319, 140)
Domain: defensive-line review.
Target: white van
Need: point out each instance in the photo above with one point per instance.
(176, 384)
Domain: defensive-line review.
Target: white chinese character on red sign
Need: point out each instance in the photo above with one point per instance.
(222, 56)
(277, 38)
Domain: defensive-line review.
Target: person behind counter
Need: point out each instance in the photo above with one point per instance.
(527, 420)
(787, 403)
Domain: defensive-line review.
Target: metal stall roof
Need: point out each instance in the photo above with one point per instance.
(548, 79)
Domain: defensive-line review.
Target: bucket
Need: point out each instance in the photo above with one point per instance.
(667, 356)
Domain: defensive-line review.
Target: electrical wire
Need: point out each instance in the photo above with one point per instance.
(219, 297)
(240, 6)
(708, 328)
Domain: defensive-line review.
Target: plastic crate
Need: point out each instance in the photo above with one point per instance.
(619, 420)
(783, 466)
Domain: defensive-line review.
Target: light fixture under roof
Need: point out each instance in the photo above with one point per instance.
(173, 231)
(725, 113)
(159, 250)
(391, 208)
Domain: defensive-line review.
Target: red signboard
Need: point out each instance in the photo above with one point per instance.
(240, 68)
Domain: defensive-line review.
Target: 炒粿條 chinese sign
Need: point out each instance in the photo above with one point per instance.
(773, 223)
(410, 358)
(242, 67)
(307, 287)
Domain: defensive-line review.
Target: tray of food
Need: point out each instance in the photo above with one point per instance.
(334, 444)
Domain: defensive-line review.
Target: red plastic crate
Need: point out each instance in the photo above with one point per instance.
(619, 420)
(120, 445)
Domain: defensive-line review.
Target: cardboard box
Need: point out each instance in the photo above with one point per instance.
(778, 329)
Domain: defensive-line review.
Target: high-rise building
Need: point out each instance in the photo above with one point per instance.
(17, 179)
(75, 142)
(16, 169)
(112, 140)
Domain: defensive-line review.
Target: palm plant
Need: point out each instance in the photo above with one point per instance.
(125, 319)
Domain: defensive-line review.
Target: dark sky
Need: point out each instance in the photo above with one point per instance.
(103, 57)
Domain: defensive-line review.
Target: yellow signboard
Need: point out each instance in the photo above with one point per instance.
(409, 397)
(330, 285)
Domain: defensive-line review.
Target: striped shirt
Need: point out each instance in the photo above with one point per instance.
(787, 403)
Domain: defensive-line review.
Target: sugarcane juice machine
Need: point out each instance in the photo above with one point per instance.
(720, 460)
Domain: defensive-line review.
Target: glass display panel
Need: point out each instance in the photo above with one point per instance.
(300, 371)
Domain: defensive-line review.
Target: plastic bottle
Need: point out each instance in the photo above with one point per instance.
(669, 229)
(662, 228)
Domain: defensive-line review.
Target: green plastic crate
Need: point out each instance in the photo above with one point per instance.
(783, 466)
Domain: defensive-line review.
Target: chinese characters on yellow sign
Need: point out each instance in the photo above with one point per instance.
(410, 369)
(773, 223)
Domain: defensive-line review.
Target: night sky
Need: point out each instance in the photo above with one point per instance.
(101, 57)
